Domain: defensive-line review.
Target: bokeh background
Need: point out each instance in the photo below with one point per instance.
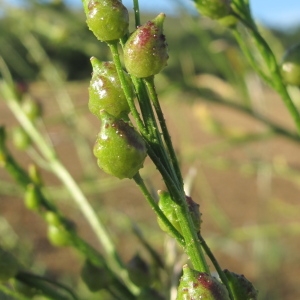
(244, 174)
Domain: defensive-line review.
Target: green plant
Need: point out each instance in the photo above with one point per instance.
(121, 148)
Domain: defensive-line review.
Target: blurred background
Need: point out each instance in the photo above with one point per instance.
(243, 172)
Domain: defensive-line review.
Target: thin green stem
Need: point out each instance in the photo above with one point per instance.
(216, 265)
(154, 136)
(136, 9)
(192, 243)
(275, 81)
(149, 82)
(61, 172)
(141, 184)
(126, 88)
(77, 125)
(247, 52)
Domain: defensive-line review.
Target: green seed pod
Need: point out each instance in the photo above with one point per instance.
(120, 149)
(168, 207)
(53, 218)
(32, 197)
(9, 266)
(145, 52)
(31, 108)
(290, 66)
(241, 287)
(20, 138)
(105, 91)
(197, 285)
(95, 277)
(58, 236)
(229, 21)
(35, 174)
(139, 271)
(107, 19)
(214, 9)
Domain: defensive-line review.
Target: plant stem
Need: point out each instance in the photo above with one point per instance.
(136, 9)
(61, 172)
(192, 243)
(275, 81)
(126, 88)
(153, 96)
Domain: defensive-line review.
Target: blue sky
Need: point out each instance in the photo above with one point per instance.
(276, 13)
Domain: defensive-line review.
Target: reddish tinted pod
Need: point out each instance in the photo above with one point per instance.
(198, 285)
(145, 52)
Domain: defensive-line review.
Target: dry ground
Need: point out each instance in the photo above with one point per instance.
(250, 215)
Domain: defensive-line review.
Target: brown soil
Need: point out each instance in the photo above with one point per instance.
(250, 211)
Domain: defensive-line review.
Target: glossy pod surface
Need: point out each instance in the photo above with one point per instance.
(107, 19)
(105, 90)
(119, 148)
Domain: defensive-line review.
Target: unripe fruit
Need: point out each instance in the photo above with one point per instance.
(52, 218)
(214, 9)
(35, 175)
(290, 66)
(58, 236)
(145, 52)
(20, 138)
(31, 108)
(107, 19)
(241, 287)
(120, 149)
(32, 197)
(168, 207)
(105, 91)
(197, 285)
